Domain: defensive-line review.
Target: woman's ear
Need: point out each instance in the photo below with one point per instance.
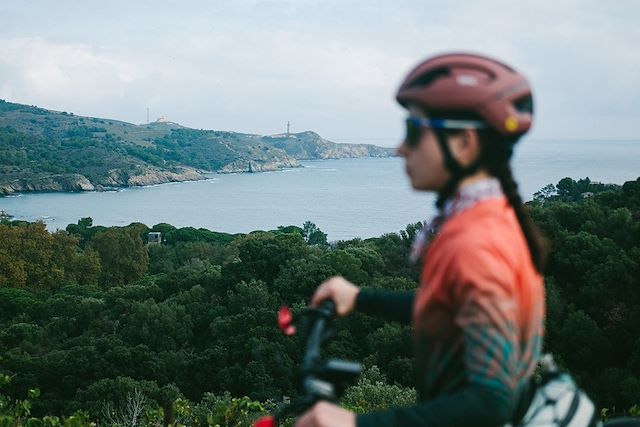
(465, 147)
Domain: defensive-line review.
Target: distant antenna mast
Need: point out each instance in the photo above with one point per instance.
(147, 115)
(288, 128)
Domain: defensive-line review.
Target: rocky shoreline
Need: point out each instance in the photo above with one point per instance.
(120, 179)
(52, 183)
(252, 166)
(115, 179)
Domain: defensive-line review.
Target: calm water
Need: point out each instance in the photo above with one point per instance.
(345, 198)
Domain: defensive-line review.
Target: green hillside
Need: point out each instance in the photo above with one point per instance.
(44, 150)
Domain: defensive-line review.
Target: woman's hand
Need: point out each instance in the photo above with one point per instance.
(325, 414)
(341, 291)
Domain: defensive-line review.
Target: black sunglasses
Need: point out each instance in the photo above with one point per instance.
(415, 126)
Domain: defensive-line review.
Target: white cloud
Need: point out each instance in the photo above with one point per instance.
(331, 66)
(39, 71)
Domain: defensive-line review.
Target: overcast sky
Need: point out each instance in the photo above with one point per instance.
(328, 66)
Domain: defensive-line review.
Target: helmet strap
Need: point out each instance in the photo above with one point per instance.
(449, 161)
(451, 164)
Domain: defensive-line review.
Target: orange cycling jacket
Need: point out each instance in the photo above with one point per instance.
(478, 318)
(479, 312)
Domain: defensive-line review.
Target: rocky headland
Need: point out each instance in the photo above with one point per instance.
(48, 151)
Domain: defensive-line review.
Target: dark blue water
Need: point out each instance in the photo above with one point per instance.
(345, 198)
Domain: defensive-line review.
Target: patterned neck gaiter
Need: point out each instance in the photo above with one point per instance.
(464, 199)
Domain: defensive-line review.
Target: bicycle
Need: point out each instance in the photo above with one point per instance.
(326, 380)
(320, 379)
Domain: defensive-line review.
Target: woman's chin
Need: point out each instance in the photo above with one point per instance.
(421, 186)
(416, 185)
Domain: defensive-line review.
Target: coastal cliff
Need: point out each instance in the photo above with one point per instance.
(150, 176)
(311, 146)
(115, 179)
(241, 166)
(71, 182)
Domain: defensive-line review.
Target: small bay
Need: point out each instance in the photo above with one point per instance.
(346, 198)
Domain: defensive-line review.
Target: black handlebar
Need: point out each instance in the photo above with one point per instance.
(316, 334)
(321, 380)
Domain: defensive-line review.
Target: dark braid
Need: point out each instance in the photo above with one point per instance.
(499, 167)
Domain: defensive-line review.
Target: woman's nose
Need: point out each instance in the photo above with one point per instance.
(401, 150)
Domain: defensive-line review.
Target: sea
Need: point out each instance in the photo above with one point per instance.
(346, 198)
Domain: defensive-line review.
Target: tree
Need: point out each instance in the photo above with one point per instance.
(346, 264)
(116, 390)
(160, 326)
(297, 280)
(130, 413)
(373, 393)
(207, 252)
(263, 254)
(83, 230)
(313, 235)
(290, 229)
(567, 189)
(81, 227)
(545, 193)
(123, 256)
(32, 257)
(162, 259)
(163, 228)
(371, 261)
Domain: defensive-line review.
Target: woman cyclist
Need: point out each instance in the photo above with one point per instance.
(478, 312)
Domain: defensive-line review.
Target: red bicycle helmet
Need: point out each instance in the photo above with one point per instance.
(468, 83)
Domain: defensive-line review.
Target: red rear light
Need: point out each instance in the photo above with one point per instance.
(268, 421)
(285, 321)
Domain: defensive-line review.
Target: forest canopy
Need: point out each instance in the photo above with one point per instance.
(94, 317)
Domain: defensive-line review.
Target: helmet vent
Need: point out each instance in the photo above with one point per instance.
(428, 78)
(524, 104)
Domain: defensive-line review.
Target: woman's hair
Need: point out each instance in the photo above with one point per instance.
(495, 156)
(496, 153)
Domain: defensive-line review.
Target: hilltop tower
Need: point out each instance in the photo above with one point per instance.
(288, 129)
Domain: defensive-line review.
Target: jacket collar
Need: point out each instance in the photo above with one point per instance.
(465, 198)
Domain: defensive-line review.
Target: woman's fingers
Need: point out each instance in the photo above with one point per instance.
(341, 291)
(324, 414)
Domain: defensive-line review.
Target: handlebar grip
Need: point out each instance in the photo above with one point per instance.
(329, 307)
